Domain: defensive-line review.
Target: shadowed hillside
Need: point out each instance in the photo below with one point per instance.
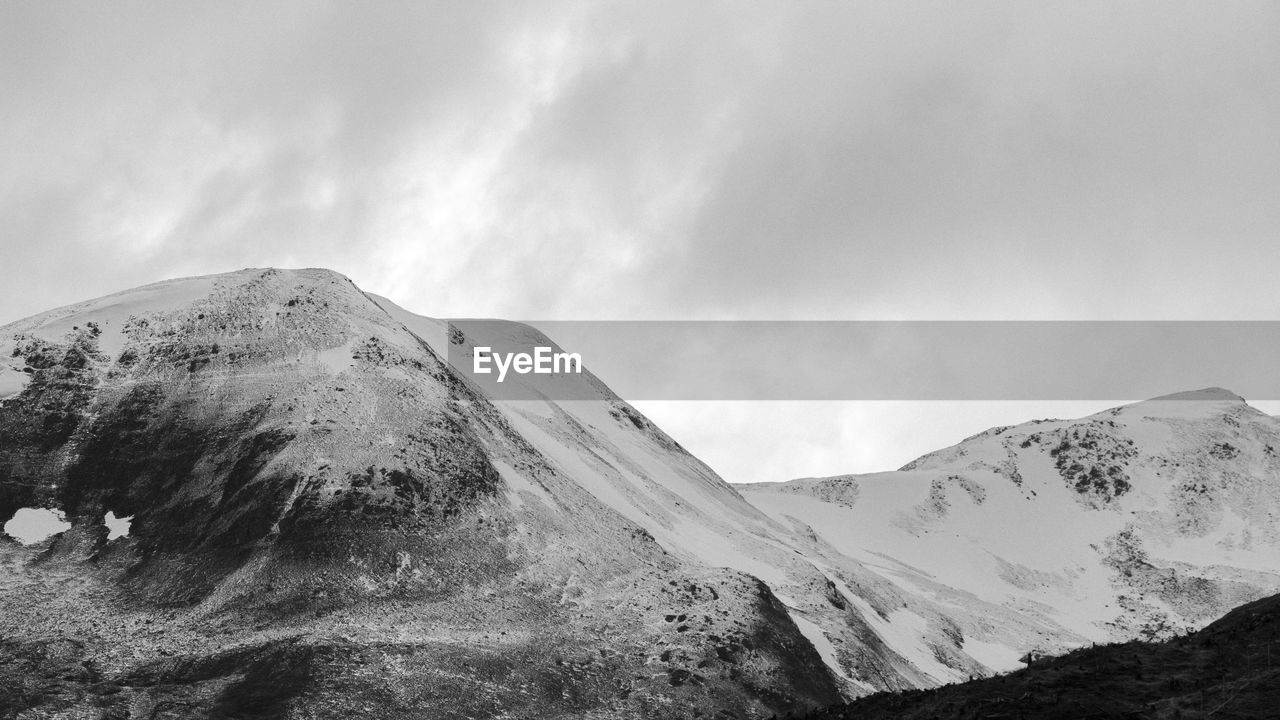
(1230, 669)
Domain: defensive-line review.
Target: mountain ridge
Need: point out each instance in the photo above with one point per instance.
(310, 482)
(1160, 513)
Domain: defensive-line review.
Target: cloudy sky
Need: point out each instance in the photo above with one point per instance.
(597, 160)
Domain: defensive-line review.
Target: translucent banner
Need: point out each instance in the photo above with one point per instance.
(865, 360)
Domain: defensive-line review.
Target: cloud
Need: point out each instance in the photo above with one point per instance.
(935, 159)
(152, 142)
(659, 159)
(673, 160)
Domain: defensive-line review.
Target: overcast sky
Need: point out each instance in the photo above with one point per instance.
(658, 160)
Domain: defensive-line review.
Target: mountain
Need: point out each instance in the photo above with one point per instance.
(267, 494)
(1142, 521)
(326, 521)
(1229, 670)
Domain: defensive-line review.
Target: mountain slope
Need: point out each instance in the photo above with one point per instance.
(326, 520)
(871, 633)
(1140, 521)
(1229, 670)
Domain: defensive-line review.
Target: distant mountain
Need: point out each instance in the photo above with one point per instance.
(265, 494)
(1142, 521)
(1229, 670)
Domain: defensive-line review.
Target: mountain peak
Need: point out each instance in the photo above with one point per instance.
(1210, 393)
(294, 457)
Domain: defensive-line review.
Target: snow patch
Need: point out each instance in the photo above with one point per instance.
(337, 360)
(112, 312)
(433, 332)
(710, 546)
(826, 650)
(12, 381)
(905, 632)
(33, 525)
(116, 526)
(1209, 393)
(994, 655)
(520, 486)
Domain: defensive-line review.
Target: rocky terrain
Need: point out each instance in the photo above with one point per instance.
(268, 494)
(327, 522)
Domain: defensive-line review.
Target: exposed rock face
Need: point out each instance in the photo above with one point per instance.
(326, 521)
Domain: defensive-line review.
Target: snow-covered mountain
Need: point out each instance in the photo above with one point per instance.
(1141, 521)
(324, 517)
